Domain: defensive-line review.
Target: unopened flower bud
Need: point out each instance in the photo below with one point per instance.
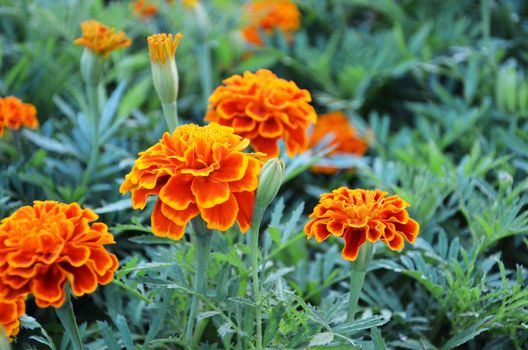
(162, 48)
(91, 66)
(270, 180)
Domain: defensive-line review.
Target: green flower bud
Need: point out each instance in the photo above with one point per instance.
(270, 180)
(91, 66)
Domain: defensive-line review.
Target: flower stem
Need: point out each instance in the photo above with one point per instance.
(67, 318)
(170, 111)
(359, 269)
(93, 106)
(202, 239)
(258, 213)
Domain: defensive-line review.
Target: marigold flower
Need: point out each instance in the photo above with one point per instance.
(264, 108)
(101, 39)
(196, 171)
(359, 215)
(14, 114)
(344, 138)
(268, 15)
(190, 3)
(48, 244)
(10, 312)
(144, 9)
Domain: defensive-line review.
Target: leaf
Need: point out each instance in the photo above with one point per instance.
(124, 332)
(108, 335)
(47, 143)
(321, 339)
(113, 207)
(467, 334)
(207, 314)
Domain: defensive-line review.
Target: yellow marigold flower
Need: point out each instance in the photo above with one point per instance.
(344, 138)
(101, 39)
(48, 244)
(190, 3)
(265, 109)
(268, 15)
(162, 47)
(359, 215)
(198, 170)
(10, 313)
(144, 9)
(14, 114)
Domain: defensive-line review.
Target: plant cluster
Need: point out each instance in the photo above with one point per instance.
(279, 174)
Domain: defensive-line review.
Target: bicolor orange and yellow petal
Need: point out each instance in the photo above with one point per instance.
(359, 215)
(265, 109)
(44, 246)
(198, 170)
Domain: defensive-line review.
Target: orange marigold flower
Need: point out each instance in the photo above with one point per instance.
(268, 15)
(14, 114)
(344, 138)
(10, 312)
(359, 215)
(101, 38)
(264, 108)
(48, 244)
(144, 9)
(198, 170)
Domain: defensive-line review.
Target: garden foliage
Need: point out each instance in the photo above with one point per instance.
(438, 88)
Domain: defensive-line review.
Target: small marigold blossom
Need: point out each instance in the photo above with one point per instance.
(359, 215)
(14, 114)
(196, 171)
(144, 9)
(10, 313)
(190, 3)
(48, 244)
(344, 138)
(162, 47)
(101, 39)
(264, 108)
(268, 15)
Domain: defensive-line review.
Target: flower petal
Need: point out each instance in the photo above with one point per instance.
(222, 216)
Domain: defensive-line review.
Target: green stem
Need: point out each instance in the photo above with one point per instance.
(485, 13)
(359, 270)
(67, 318)
(18, 144)
(93, 106)
(202, 239)
(204, 52)
(258, 213)
(170, 111)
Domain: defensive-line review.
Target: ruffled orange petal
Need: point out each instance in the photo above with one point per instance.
(163, 227)
(222, 216)
(354, 239)
(245, 202)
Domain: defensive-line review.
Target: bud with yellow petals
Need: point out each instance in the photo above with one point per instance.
(162, 49)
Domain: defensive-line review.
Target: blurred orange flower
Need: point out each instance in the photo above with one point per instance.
(264, 108)
(14, 114)
(198, 170)
(10, 312)
(162, 47)
(101, 38)
(359, 215)
(144, 9)
(268, 15)
(344, 138)
(48, 244)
